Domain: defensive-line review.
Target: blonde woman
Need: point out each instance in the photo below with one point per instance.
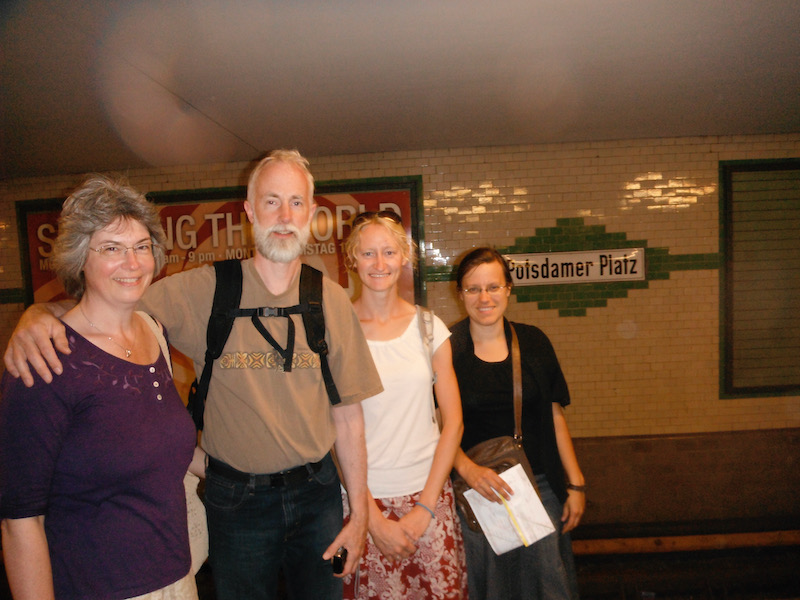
(414, 548)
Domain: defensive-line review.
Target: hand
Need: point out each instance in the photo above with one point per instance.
(33, 341)
(415, 523)
(391, 539)
(486, 482)
(573, 510)
(352, 536)
(198, 464)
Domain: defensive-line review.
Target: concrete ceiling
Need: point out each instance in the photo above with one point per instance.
(95, 85)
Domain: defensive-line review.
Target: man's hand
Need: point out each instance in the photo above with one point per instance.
(352, 536)
(35, 340)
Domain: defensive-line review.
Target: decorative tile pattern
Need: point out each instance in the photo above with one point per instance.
(572, 300)
(640, 359)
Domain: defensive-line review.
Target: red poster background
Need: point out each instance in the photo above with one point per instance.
(207, 225)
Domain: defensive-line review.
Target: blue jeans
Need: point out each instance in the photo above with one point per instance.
(255, 531)
(543, 571)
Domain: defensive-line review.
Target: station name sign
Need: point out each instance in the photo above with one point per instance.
(553, 268)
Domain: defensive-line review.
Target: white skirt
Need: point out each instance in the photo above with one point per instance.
(183, 589)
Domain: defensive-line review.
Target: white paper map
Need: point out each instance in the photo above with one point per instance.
(522, 520)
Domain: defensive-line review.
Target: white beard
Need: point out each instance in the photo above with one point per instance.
(279, 249)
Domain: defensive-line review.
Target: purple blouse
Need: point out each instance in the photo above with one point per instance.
(101, 452)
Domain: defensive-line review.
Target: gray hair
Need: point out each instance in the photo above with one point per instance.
(292, 157)
(96, 204)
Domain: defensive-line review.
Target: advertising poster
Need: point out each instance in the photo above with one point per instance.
(203, 226)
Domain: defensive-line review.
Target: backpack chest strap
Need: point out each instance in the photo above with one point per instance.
(275, 311)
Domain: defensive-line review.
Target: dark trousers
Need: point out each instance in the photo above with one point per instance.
(543, 571)
(255, 531)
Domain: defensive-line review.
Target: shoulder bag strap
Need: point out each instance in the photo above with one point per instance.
(155, 327)
(516, 368)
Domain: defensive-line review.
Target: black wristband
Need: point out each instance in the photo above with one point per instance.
(577, 488)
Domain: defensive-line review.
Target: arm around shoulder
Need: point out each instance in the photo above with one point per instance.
(35, 340)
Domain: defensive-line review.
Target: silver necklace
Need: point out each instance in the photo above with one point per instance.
(128, 351)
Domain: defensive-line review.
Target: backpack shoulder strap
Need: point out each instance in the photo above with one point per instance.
(227, 295)
(425, 321)
(158, 331)
(314, 323)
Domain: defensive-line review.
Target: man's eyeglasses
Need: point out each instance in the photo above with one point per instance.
(492, 289)
(383, 214)
(118, 251)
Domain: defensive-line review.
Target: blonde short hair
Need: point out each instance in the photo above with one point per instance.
(392, 223)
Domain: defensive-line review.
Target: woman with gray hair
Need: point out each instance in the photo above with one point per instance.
(92, 464)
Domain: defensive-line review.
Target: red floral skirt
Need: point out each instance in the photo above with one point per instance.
(437, 570)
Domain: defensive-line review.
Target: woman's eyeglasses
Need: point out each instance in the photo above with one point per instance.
(118, 251)
(492, 289)
(383, 214)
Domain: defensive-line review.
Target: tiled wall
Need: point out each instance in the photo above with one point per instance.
(647, 363)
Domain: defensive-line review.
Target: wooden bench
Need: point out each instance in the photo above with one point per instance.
(697, 494)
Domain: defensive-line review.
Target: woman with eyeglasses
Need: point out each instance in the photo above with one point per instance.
(482, 359)
(414, 549)
(92, 464)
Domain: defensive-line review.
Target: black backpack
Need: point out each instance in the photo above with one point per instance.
(225, 309)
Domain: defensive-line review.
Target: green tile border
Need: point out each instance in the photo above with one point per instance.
(571, 235)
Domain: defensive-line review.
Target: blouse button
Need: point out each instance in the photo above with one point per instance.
(152, 369)
(155, 384)
(158, 397)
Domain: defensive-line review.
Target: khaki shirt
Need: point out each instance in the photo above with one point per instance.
(258, 418)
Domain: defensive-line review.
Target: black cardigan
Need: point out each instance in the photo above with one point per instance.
(487, 397)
